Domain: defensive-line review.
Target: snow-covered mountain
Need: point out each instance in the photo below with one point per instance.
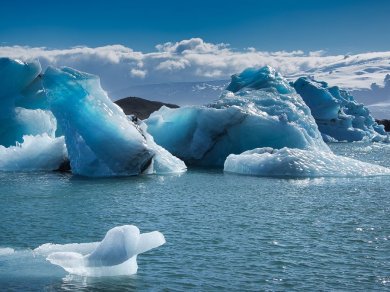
(353, 72)
(366, 75)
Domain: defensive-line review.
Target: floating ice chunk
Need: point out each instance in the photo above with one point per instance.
(115, 255)
(100, 139)
(40, 152)
(4, 251)
(288, 162)
(264, 112)
(337, 114)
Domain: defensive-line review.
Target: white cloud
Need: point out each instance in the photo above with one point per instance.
(138, 73)
(188, 60)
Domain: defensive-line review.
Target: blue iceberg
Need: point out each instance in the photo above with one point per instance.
(261, 110)
(101, 140)
(338, 116)
(15, 122)
(27, 136)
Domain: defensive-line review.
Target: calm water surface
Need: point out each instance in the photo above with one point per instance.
(223, 231)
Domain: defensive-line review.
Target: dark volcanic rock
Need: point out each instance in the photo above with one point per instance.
(141, 108)
(386, 123)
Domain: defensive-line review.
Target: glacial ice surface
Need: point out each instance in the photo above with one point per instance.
(337, 114)
(115, 255)
(287, 162)
(101, 140)
(263, 111)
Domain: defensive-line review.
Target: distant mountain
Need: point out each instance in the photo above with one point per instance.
(363, 74)
(181, 93)
(141, 108)
(386, 123)
(353, 72)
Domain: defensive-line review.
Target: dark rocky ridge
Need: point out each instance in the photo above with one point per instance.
(141, 108)
(386, 123)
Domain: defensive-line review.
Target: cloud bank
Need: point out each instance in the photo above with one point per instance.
(189, 60)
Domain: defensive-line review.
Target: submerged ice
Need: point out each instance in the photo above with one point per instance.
(337, 114)
(261, 110)
(115, 255)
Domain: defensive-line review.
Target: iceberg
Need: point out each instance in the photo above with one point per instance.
(27, 136)
(15, 76)
(338, 116)
(101, 140)
(287, 162)
(115, 255)
(68, 106)
(258, 109)
(15, 121)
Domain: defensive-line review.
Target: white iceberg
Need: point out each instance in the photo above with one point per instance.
(35, 153)
(287, 162)
(115, 255)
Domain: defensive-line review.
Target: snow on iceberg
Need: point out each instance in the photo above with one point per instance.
(115, 255)
(39, 152)
(260, 109)
(101, 140)
(287, 162)
(337, 114)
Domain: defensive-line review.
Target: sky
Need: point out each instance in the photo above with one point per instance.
(338, 27)
(136, 43)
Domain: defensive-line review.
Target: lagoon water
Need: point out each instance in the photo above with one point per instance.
(223, 231)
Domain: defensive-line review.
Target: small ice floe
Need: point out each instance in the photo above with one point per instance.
(289, 162)
(6, 251)
(115, 255)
